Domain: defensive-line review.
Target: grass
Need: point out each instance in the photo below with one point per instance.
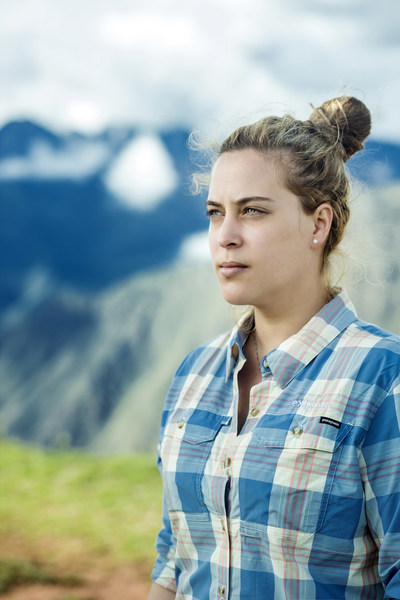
(81, 504)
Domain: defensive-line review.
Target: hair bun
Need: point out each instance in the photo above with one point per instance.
(344, 119)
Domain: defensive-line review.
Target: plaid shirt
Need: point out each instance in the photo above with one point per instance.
(305, 502)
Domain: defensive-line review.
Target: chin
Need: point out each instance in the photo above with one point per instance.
(236, 299)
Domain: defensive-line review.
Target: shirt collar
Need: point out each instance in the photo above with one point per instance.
(294, 353)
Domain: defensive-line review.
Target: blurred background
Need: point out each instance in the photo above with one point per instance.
(106, 281)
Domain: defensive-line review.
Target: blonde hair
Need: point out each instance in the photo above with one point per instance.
(312, 156)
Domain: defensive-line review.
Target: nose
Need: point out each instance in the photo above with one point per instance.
(229, 232)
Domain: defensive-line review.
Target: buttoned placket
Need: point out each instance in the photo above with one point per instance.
(257, 405)
(228, 456)
(224, 546)
(259, 393)
(227, 466)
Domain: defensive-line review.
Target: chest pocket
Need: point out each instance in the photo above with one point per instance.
(185, 448)
(289, 472)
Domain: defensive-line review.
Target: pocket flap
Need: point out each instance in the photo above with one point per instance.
(198, 427)
(298, 431)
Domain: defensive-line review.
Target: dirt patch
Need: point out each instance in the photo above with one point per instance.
(123, 584)
(99, 579)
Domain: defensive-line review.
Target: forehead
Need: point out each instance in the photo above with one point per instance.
(247, 173)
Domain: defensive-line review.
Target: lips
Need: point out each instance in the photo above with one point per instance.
(229, 269)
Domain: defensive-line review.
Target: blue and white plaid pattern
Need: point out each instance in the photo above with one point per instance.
(304, 503)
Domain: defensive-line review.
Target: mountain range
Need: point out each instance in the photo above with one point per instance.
(68, 223)
(96, 309)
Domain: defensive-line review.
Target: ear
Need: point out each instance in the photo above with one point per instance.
(322, 219)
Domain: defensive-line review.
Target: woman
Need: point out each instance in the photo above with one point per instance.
(280, 441)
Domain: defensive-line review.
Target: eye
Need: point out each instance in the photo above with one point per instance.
(251, 210)
(212, 212)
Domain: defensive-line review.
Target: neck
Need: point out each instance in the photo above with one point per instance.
(274, 324)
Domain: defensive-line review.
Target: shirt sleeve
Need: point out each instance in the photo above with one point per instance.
(164, 567)
(380, 470)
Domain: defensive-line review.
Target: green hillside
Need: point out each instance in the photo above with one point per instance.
(71, 507)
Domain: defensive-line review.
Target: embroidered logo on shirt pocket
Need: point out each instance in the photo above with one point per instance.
(293, 463)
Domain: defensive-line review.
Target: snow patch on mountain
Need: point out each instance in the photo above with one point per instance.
(195, 249)
(143, 174)
(76, 160)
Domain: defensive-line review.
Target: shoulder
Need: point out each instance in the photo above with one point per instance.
(206, 357)
(355, 332)
(205, 363)
(362, 333)
(370, 354)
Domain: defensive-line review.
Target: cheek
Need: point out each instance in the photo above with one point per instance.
(274, 241)
(212, 243)
(285, 247)
(294, 235)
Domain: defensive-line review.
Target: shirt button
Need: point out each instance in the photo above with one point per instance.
(297, 431)
(235, 352)
(223, 525)
(221, 591)
(265, 363)
(254, 412)
(227, 462)
(181, 423)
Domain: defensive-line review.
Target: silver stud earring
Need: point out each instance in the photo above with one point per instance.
(315, 241)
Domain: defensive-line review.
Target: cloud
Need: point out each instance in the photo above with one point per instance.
(195, 249)
(143, 174)
(85, 65)
(76, 160)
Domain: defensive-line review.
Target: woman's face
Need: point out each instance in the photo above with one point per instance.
(260, 238)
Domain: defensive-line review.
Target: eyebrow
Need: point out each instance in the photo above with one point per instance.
(241, 201)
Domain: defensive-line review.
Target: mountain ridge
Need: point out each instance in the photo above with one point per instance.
(96, 312)
(74, 228)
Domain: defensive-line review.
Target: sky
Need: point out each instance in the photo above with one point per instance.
(84, 65)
